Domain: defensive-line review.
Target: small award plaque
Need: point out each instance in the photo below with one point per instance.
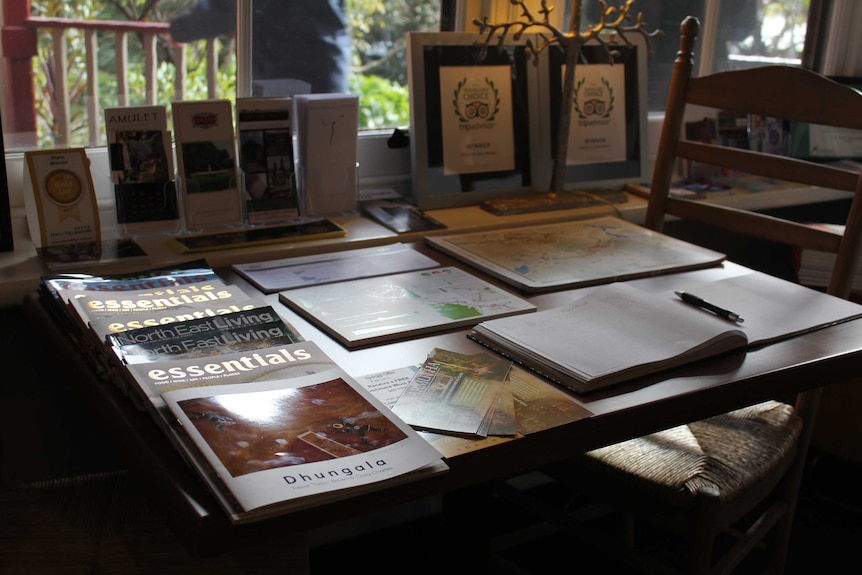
(65, 199)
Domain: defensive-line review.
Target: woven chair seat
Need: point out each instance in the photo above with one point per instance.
(728, 453)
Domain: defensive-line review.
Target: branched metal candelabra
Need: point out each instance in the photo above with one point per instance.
(611, 19)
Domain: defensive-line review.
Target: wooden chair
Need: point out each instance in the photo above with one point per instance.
(737, 474)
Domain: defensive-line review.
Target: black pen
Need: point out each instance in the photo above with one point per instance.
(694, 300)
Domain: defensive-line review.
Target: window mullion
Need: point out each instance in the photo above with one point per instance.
(243, 48)
(708, 34)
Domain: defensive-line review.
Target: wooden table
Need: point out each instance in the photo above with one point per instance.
(709, 387)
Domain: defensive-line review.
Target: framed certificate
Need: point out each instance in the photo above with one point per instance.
(474, 110)
(608, 140)
(6, 242)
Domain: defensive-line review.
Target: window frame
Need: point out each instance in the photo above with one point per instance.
(838, 52)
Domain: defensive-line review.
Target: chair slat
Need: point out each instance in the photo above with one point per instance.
(780, 91)
(778, 167)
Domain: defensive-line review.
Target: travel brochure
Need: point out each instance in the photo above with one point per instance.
(278, 275)
(326, 130)
(460, 394)
(206, 163)
(142, 169)
(537, 404)
(266, 159)
(62, 208)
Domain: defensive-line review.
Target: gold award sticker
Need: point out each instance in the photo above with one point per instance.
(64, 187)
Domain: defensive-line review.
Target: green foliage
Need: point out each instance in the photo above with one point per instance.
(379, 34)
(45, 75)
(382, 103)
(379, 64)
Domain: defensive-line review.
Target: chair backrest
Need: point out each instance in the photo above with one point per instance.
(783, 92)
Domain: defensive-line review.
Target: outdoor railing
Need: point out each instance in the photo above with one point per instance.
(58, 74)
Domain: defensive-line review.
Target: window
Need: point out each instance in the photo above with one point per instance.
(744, 33)
(734, 33)
(295, 46)
(357, 46)
(377, 60)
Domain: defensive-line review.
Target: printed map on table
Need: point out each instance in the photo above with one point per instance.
(574, 254)
(398, 306)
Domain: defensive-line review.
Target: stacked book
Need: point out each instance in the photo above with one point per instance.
(268, 420)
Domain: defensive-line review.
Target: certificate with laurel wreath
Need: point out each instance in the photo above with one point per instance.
(476, 117)
(598, 130)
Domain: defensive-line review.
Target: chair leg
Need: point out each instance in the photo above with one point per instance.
(780, 536)
(790, 488)
(627, 530)
(705, 512)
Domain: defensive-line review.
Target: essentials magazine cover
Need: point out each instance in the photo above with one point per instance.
(295, 442)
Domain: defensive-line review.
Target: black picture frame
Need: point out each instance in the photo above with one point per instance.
(636, 168)
(427, 53)
(7, 243)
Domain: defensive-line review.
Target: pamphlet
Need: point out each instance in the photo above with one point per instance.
(142, 169)
(278, 275)
(458, 394)
(206, 162)
(539, 405)
(327, 127)
(266, 159)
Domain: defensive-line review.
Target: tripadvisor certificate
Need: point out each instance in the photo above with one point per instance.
(476, 117)
(598, 129)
